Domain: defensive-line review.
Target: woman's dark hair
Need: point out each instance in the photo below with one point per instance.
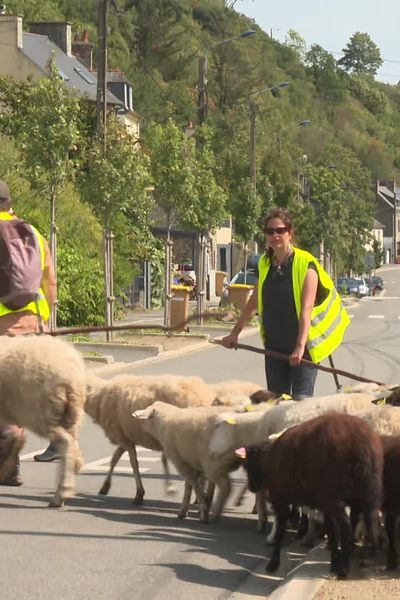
(284, 215)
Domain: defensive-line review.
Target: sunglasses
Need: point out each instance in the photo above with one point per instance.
(279, 230)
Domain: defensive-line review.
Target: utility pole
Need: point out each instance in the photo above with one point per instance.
(101, 130)
(201, 275)
(101, 101)
(253, 164)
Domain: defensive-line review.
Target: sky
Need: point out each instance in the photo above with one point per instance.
(331, 24)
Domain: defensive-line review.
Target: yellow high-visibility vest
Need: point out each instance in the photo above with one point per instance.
(329, 320)
(41, 304)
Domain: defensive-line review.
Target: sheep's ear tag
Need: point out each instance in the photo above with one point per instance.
(286, 397)
(249, 407)
(230, 421)
(241, 453)
(379, 401)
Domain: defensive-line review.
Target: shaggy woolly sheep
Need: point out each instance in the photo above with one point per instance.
(340, 450)
(42, 388)
(252, 428)
(184, 435)
(111, 403)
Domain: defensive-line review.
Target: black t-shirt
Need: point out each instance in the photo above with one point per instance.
(279, 316)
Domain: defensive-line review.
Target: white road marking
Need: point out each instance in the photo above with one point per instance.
(376, 316)
(31, 454)
(103, 465)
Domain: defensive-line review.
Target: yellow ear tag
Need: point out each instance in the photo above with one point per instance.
(231, 421)
(249, 407)
(286, 397)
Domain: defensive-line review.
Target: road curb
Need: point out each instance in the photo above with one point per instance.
(305, 580)
(163, 355)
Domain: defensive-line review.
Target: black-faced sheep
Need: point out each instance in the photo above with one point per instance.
(323, 463)
(42, 388)
(391, 493)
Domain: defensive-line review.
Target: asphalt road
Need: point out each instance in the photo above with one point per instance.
(106, 548)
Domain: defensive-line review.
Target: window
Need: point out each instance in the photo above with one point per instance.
(86, 76)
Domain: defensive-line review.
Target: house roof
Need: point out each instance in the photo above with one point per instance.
(378, 224)
(39, 49)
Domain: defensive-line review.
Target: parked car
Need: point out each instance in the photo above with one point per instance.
(361, 287)
(353, 285)
(238, 279)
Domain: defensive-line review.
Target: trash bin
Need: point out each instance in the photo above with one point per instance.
(179, 305)
(239, 294)
(220, 277)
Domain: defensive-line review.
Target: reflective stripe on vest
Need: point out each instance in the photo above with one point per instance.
(329, 319)
(42, 304)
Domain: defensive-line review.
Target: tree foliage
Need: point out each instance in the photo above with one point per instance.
(361, 55)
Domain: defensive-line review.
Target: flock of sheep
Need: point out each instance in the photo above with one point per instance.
(336, 451)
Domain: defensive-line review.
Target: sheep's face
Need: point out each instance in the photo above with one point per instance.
(253, 462)
(394, 397)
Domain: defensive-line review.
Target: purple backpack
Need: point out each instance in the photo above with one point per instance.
(20, 264)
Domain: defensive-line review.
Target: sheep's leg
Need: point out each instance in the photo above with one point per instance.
(79, 460)
(170, 488)
(224, 487)
(184, 507)
(261, 506)
(390, 528)
(66, 479)
(333, 543)
(241, 494)
(210, 493)
(343, 523)
(105, 488)
(138, 499)
(282, 514)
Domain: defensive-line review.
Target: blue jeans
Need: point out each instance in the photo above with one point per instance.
(284, 379)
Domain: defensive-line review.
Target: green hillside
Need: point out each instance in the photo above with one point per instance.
(355, 120)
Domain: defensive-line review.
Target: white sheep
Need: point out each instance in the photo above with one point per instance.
(42, 388)
(254, 427)
(111, 403)
(184, 435)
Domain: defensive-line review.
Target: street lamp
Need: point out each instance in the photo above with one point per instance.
(202, 105)
(271, 31)
(253, 111)
(302, 123)
(202, 99)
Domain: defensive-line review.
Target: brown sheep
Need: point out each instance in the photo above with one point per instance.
(323, 463)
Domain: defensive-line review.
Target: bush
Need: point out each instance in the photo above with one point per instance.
(80, 289)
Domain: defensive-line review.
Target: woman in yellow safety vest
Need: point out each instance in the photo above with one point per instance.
(300, 311)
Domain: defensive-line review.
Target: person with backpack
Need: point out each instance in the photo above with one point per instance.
(27, 295)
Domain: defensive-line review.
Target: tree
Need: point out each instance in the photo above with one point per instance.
(172, 167)
(361, 55)
(45, 121)
(323, 68)
(210, 209)
(246, 209)
(115, 182)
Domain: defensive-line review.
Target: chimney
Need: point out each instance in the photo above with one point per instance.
(83, 50)
(57, 31)
(10, 31)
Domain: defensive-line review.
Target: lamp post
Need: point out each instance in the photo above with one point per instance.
(202, 107)
(271, 32)
(253, 112)
(302, 123)
(202, 99)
